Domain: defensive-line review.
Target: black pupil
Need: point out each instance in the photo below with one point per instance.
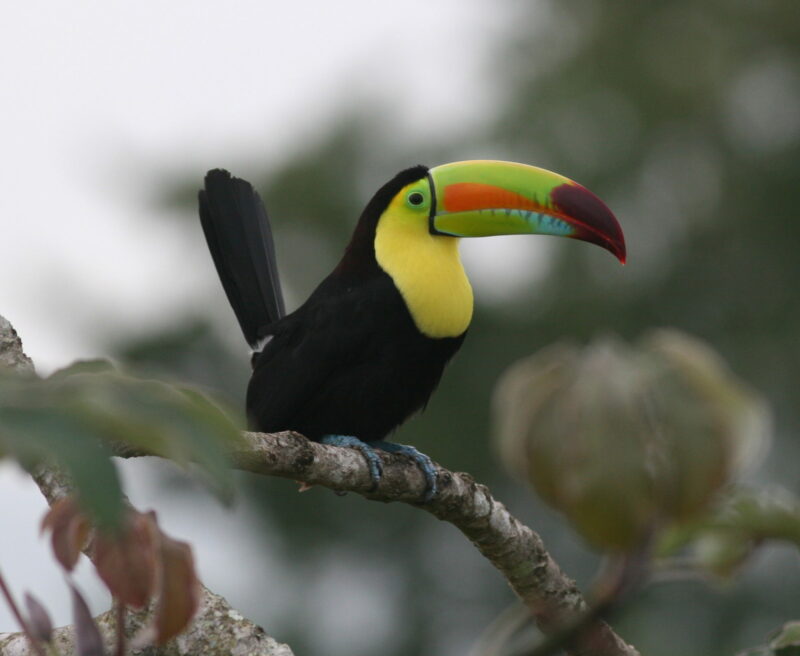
(415, 198)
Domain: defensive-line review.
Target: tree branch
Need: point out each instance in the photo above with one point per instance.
(513, 548)
(217, 629)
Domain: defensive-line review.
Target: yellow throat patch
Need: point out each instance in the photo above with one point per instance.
(425, 268)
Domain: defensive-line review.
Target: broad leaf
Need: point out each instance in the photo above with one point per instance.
(180, 590)
(70, 531)
(126, 560)
(724, 539)
(77, 417)
(787, 642)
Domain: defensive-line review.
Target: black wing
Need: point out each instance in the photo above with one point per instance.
(239, 237)
(305, 350)
(350, 361)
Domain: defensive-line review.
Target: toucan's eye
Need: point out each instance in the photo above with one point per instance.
(416, 198)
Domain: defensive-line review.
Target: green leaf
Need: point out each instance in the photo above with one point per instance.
(174, 422)
(76, 417)
(772, 514)
(96, 366)
(787, 643)
(53, 435)
(731, 532)
(722, 552)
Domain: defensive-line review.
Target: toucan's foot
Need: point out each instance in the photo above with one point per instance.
(372, 458)
(424, 462)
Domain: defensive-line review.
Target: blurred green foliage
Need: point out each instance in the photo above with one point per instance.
(723, 540)
(786, 642)
(78, 415)
(683, 116)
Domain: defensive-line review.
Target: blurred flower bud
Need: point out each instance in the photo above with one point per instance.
(624, 439)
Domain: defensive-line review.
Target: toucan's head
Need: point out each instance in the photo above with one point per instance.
(481, 198)
(410, 229)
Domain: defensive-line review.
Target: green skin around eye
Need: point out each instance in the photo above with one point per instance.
(415, 199)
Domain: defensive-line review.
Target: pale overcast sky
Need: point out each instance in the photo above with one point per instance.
(92, 91)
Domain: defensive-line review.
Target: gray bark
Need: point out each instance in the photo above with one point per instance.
(218, 630)
(513, 548)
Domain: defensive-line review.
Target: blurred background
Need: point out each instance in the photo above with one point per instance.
(684, 116)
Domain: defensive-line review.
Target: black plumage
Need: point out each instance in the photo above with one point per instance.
(350, 360)
(239, 237)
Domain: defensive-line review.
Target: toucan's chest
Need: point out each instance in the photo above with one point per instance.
(428, 273)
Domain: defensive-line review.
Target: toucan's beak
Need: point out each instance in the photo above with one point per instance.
(481, 198)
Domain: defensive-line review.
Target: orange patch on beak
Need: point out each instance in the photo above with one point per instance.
(471, 196)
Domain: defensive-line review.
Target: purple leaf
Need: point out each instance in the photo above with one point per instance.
(38, 619)
(88, 641)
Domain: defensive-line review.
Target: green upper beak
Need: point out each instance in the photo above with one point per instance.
(480, 198)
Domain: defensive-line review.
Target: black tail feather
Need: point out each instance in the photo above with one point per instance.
(239, 237)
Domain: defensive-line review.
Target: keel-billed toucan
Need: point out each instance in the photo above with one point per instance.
(367, 349)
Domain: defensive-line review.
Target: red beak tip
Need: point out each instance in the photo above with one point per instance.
(598, 223)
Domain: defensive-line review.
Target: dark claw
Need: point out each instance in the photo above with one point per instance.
(424, 462)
